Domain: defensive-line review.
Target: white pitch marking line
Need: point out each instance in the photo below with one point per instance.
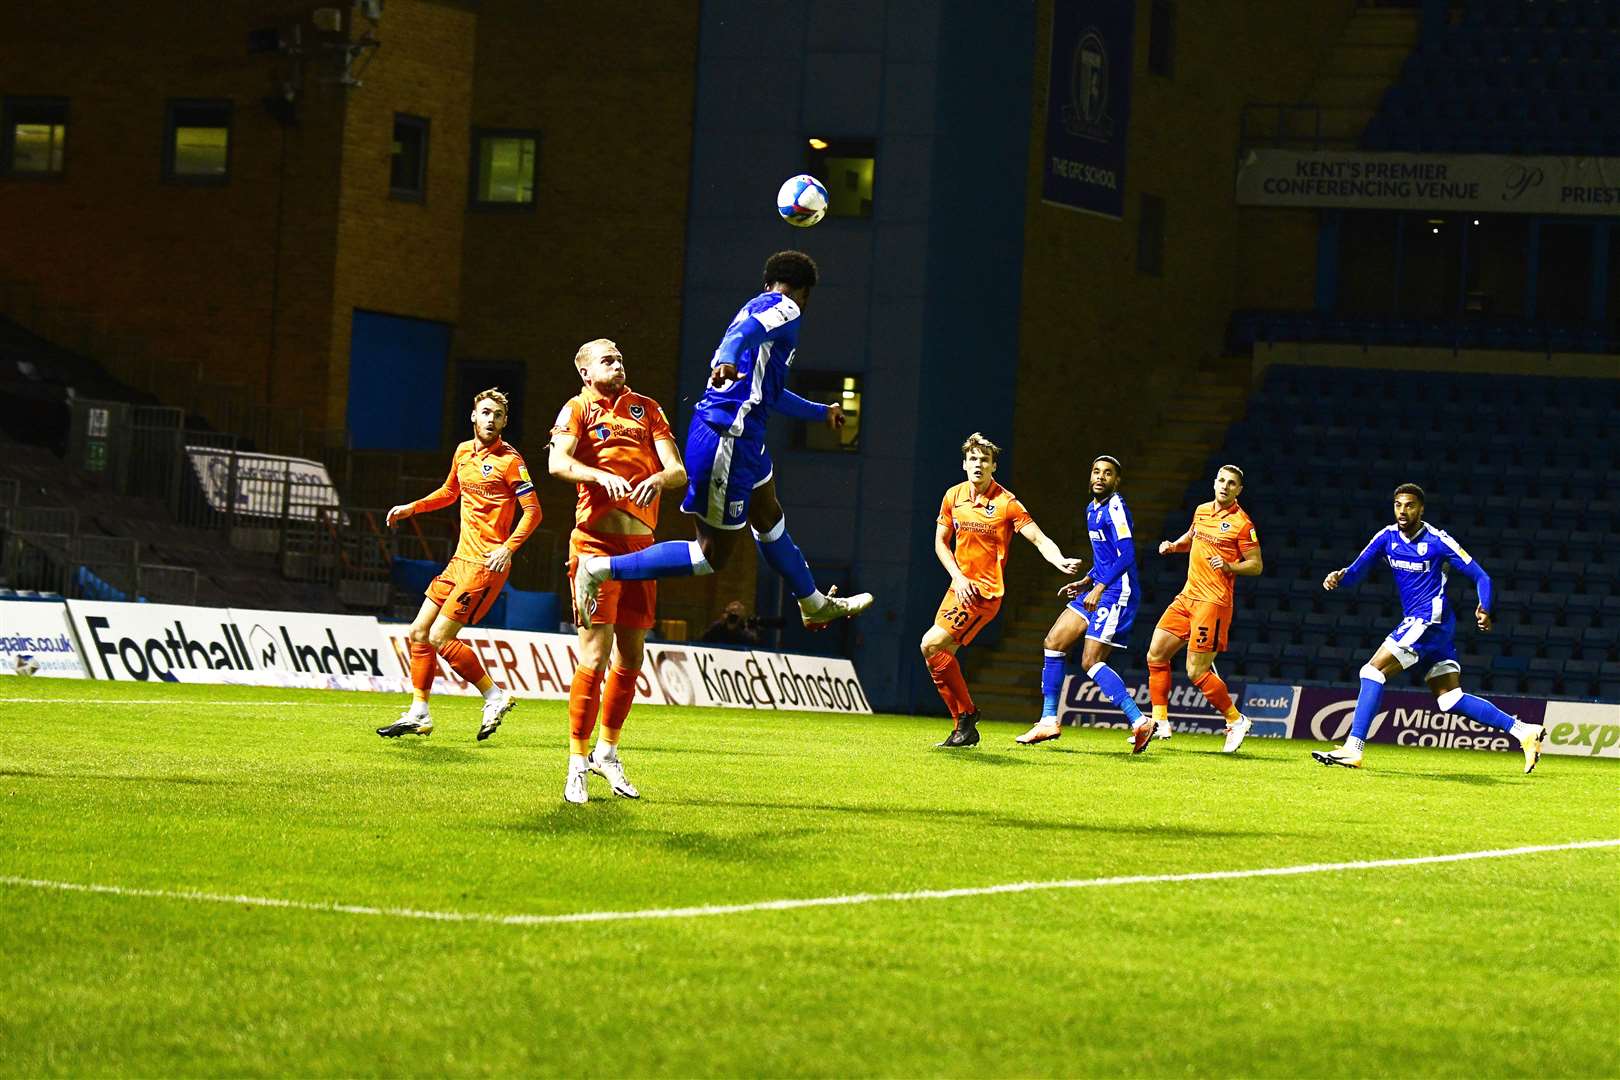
(187, 704)
(790, 904)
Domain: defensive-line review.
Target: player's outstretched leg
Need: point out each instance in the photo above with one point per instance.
(464, 662)
(1201, 671)
(416, 720)
(1480, 711)
(673, 558)
(816, 609)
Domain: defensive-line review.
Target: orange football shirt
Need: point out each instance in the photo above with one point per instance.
(619, 436)
(982, 527)
(1228, 533)
(492, 483)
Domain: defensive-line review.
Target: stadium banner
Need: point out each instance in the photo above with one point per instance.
(535, 665)
(262, 482)
(328, 652)
(1481, 183)
(1083, 702)
(35, 639)
(1408, 718)
(1088, 106)
(160, 642)
(1582, 729)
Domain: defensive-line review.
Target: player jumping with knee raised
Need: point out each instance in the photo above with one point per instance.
(1224, 546)
(731, 483)
(1103, 616)
(489, 478)
(1418, 554)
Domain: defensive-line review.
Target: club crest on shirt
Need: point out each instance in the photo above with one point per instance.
(637, 412)
(990, 510)
(487, 468)
(1423, 548)
(1226, 526)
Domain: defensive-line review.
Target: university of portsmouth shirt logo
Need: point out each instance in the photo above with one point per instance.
(601, 431)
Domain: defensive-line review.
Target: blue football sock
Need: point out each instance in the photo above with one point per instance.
(1051, 683)
(783, 555)
(1372, 691)
(674, 558)
(1481, 711)
(1109, 682)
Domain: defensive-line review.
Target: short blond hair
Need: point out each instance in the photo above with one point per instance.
(493, 394)
(977, 441)
(591, 348)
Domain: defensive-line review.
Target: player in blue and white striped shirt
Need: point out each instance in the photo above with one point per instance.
(1103, 616)
(731, 483)
(1418, 555)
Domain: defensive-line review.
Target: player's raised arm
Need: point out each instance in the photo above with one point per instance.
(1181, 544)
(799, 408)
(1049, 549)
(1353, 574)
(445, 494)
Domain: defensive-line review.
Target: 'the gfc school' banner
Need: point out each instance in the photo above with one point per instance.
(1481, 183)
(1088, 105)
(264, 484)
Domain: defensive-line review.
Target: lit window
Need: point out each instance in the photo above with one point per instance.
(198, 144)
(848, 168)
(35, 136)
(407, 171)
(830, 387)
(503, 169)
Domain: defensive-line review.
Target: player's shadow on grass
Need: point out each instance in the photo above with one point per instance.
(989, 817)
(141, 778)
(612, 818)
(422, 754)
(707, 751)
(1474, 779)
(984, 757)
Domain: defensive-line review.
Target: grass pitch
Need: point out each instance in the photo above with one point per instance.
(1493, 967)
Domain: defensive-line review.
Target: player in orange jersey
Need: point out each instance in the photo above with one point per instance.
(1224, 545)
(616, 445)
(981, 516)
(489, 478)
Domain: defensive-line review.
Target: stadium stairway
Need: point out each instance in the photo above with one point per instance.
(1004, 671)
(1359, 68)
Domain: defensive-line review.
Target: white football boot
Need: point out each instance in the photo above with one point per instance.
(610, 768)
(574, 790)
(409, 723)
(1342, 756)
(586, 586)
(495, 708)
(1531, 745)
(1164, 730)
(1046, 729)
(832, 608)
(1236, 731)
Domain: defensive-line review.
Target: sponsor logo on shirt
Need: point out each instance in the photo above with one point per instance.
(1408, 564)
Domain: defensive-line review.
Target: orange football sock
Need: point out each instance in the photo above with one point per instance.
(1212, 687)
(463, 661)
(953, 689)
(584, 701)
(1159, 690)
(423, 669)
(618, 694)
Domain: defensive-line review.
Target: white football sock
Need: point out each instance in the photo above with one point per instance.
(576, 763)
(492, 694)
(1521, 730)
(814, 602)
(1355, 745)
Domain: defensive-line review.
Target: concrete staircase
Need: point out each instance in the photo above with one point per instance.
(1365, 62)
(1005, 675)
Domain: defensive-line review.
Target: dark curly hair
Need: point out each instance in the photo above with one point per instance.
(794, 269)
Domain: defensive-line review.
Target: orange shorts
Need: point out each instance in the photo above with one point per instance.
(964, 621)
(618, 603)
(1201, 624)
(465, 590)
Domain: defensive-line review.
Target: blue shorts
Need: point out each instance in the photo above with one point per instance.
(1111, 622)
(722, 472)
(1418, 641)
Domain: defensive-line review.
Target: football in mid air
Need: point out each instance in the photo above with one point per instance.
(802, 201)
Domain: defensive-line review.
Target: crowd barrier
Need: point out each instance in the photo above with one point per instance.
(82, 639)
(1323, 714)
